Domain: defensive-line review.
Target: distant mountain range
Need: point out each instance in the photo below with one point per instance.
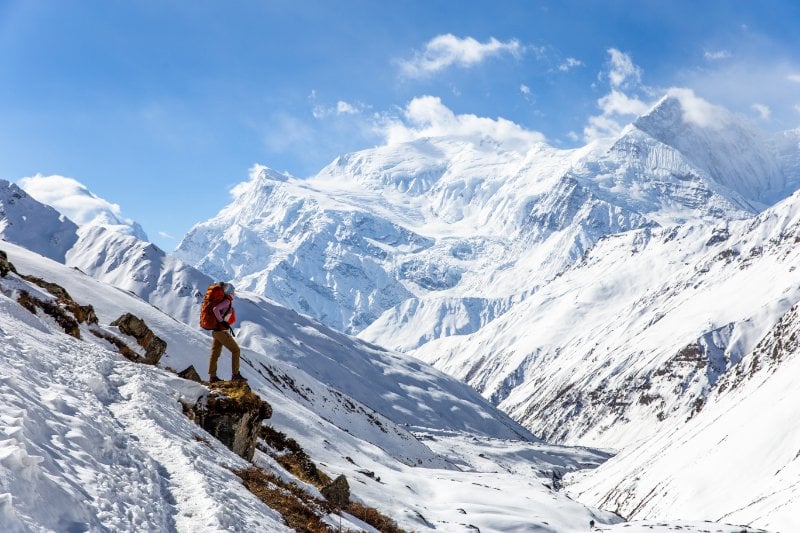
(638, 294)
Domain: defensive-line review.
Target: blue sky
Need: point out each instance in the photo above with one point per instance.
(161, 106)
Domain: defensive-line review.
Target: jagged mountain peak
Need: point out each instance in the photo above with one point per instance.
(726, 147)
(680, 107)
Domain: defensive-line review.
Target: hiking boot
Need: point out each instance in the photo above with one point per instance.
(238, 377)
(213, 379)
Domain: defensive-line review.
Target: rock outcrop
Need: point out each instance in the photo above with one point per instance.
(134, 326)
(233, 414)
(6, 266)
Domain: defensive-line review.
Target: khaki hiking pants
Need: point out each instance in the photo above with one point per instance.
(223, 338)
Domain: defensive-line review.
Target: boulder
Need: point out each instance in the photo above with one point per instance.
(134, 326)
(338, 492)
(232, 413)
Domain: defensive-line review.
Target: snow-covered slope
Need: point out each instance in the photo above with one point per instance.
(105, 440)
(393, 384)
(638, 333)
(381, 235)
(736, 461)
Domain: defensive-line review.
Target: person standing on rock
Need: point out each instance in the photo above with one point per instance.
(217, 314)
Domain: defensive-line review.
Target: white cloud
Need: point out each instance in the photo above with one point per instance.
(569, 64)
(763, 111)
(320, 111)
(623, 72)
(447, 50)
(165, 235)
(343, 108)
(427, 116)
(524, 89)
(763, 77)
(697, 110)
(618, 106)
(71, 198)
(619, 103)
(717, 55)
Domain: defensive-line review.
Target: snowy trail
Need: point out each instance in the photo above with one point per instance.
(103, 441)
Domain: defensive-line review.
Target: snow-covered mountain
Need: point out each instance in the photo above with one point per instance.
(636, 334)
(125, 457)
(434, 224)
(609, 295)
(31, 224)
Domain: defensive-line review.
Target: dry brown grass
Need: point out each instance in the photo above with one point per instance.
(236, 396)
(299, 510)
(67, 323)
(373, 517)
(295, 459)
(82, 313)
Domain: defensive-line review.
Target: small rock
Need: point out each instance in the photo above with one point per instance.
(191, 374)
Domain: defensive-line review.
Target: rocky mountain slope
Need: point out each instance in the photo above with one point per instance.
(735, 461)
(636, 334)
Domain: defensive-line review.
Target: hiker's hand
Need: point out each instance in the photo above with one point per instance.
(225, 325)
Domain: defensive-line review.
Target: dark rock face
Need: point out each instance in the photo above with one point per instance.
(135, 327)
(338, 492)
(233, 414)
(6, 266)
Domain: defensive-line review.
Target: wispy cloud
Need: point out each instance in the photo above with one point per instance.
(744, 83)
(320, 110)
(763, 111)
(622, 102)
(524, 89)
(717, 55)
(622, 72)
(569, 64)
(285, 133)
(427, 116)
(447, 50)
(166, 235)
(73, 199)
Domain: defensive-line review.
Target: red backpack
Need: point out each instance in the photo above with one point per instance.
(214, 295)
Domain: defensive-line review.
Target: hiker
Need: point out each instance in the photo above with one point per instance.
(217, 314)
